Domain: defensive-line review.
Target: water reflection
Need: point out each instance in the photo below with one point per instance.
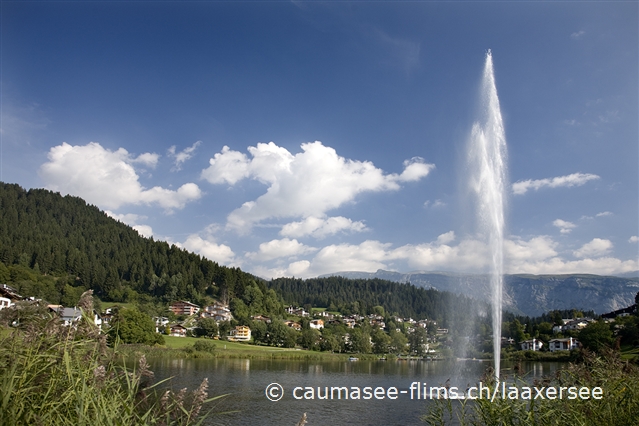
(245, 380)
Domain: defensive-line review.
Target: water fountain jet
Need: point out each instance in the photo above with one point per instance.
(487, 160)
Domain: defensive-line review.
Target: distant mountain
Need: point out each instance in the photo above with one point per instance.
(633, 274)
(529, 295)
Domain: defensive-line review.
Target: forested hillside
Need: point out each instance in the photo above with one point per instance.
(86, 249)
(360, 296)
(56, 247)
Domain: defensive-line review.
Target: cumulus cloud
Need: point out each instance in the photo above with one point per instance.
(220, 253)
(367, 256)
(306, 184)
(446, 238)
(107, 178)
(596, 248)
(536, 255)
(182, 156)
(321, 227)
(575, 179)
(133, 220)
(149, 159)
(280, 248)
(564, 226)
(633, 239)
(518, 250)
(602, 214)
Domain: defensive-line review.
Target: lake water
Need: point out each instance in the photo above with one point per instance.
(246, 380)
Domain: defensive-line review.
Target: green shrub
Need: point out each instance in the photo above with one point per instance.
(204, 346)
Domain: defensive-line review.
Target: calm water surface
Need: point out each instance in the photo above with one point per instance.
(245, 380)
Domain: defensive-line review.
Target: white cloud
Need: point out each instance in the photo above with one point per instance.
(304, 185)
(144, 230)
(107, 178)
(367, 256)
(446, 238)
(519, 251)
(321, 227)
(469, 255)
(577, 35)
(280, 248)
(595, 248)
(133, 220)
(565, 227)
(575, 179)
(602, 214)
(182, 156)
(435, 204)
(148, 159)
(208, 248)
(633, 239)
(537, 255)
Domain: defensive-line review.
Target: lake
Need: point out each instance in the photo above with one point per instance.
(246, 380)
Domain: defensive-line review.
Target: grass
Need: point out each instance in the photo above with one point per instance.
(629, 352)
(183, 347)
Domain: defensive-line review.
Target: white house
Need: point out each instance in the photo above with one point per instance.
(160, 324)
(566, 344)
(531, 345)
(70, 316)
(5, 302)
(317, 324)
(218, 311)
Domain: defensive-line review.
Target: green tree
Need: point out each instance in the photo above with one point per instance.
(253, 298)
(398, 341)
(360, 341)
(239, 309)
(517, 331)
(5, 276)
(132, 326)
(381, 341)
(277, 332)
(224, 328)
(206, 327)
(596, 336)
(417, 341)
(308, 338)
(259, 331)
(330, 342)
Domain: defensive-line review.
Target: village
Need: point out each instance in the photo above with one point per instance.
(319, 329)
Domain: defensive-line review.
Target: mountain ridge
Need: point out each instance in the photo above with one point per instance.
(526, 294)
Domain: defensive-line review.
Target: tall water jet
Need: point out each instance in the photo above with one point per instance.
(487, 160)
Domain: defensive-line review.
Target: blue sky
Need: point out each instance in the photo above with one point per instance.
(303, 138)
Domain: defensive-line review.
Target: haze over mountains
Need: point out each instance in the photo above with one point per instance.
(525, 294)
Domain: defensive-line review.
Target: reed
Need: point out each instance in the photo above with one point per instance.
(56, 375)
(619, 380)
